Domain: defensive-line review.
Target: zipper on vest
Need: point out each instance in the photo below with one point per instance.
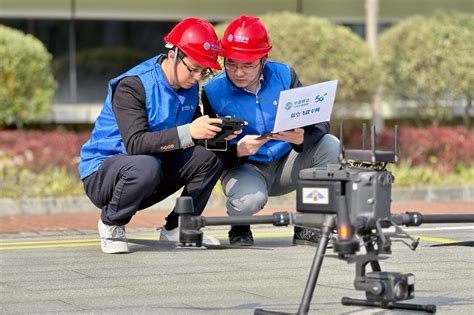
(264, 126)
(261, 112)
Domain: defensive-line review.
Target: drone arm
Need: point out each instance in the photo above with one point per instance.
(277, 219)
(416, 218)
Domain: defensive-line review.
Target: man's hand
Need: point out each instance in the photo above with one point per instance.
(202, 128)
(295, 136)
(250, 144)
(236, 133)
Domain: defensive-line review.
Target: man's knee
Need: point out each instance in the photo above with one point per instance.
(246, 205)
(327, 151)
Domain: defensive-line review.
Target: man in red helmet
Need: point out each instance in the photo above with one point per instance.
(142, 148)
(249, 89)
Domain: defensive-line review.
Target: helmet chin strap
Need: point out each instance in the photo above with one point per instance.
(257, 78)
(175, 83)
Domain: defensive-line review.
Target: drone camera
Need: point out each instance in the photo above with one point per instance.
(387, 286)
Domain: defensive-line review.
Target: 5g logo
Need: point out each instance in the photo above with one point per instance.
(320, 98)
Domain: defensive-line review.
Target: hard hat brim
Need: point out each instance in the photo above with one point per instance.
(203, 61)
(234, 55)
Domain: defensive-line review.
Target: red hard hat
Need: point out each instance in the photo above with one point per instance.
(197, 39)
(245, 39)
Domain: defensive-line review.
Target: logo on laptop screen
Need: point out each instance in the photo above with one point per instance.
(320, 98)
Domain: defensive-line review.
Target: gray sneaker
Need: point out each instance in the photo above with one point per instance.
(309, 236)
(173, 236)
(112, 238)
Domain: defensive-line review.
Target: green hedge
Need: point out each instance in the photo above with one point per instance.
(26, 80)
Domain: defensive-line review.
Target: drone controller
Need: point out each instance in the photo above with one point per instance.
(229, 126)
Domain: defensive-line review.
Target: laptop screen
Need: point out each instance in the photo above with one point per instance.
(303, 106)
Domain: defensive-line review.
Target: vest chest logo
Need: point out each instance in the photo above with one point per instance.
(167, 147)
(186, 107)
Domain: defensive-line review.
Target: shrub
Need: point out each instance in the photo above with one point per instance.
(45, 163)
(407, 175)
(26, 81)
(319, 51)
(429, 59)
(39, 150)
(443, 149)
(17, 181)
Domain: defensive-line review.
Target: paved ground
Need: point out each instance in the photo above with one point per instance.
(53, 264)
(66, 273)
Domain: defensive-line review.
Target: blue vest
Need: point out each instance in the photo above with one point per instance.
(165, 107)
(258, 110)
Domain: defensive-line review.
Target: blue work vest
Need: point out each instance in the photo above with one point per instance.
(165, 107)
(258, 110)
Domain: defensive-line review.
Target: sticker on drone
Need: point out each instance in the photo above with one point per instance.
(315, 195)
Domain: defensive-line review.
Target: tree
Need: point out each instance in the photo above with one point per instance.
(466, 21)
(429, 59)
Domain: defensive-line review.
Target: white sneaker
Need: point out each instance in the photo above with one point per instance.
(112, 238)
(173, 236)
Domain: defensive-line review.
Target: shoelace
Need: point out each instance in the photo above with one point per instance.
(307, 234)
(117, 231)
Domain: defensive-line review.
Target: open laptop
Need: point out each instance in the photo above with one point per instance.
(303, 106)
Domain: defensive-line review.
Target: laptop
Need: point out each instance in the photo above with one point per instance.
(303, 106)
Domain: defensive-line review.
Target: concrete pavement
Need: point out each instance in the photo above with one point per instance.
(66, 272)
(52, 263)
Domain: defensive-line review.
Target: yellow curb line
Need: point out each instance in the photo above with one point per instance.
(48, 246)
(437, 239)
(95, 242)
(48, 242)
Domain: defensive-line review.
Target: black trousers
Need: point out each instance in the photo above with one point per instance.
(125, 184)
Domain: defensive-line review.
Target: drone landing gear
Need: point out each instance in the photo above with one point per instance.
(429, 308)
(326, 230)
(382, 280)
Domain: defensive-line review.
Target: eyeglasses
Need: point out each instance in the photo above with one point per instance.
(247, 68)
(198, 74)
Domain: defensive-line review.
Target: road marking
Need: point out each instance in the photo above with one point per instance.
(48, 242)
(437, 239)
(47, 246)
(259, 235)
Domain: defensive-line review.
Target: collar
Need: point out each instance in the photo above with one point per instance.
(260, 82)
